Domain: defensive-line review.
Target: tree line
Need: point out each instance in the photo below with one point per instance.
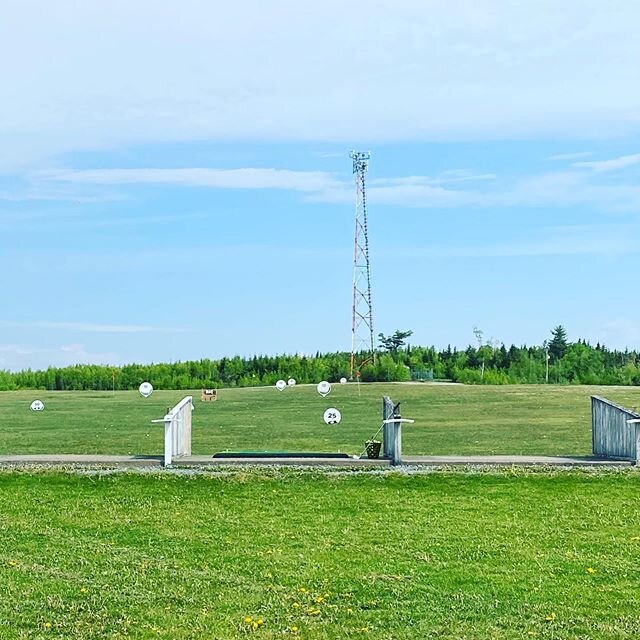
(556, 361)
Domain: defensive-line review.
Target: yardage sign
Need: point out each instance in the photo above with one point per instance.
(324, 388)
(332, 416)
(145, 389)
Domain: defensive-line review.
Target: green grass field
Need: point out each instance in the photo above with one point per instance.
(446, 556)
(532, 419)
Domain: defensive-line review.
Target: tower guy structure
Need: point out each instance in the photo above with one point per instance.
(362, 345)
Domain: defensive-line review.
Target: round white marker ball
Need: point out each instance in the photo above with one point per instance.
(281, 385)
(324, 388)
(291, 382)
(332, 416)
(145, 389)
(37, 405)
(343, 381)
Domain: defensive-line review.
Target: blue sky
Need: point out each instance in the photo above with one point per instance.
(175, 179)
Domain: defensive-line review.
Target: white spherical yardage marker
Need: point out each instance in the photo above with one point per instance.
(324, 388)
(343, 381)
(291, 382)
(332, 416)
(37, 405)
(281, 385)
(145, 389)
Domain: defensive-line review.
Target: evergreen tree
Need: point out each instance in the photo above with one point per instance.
(393, 343)
(558, 345)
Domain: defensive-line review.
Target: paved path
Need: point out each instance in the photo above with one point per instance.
(428, 461)
(554, 461)
(81, 459)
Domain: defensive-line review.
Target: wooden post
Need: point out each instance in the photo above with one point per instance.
(615, 431)
(396, 458)
(392, 431)
(387, 429)
(168, 439)
(177, 430)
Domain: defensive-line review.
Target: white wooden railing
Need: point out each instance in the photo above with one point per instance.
(177, 430)
(615, 431)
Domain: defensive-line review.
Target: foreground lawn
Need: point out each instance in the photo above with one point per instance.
(320, 556)
(519, 419)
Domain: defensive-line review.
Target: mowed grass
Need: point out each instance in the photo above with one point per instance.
(468, 556)
(519, 419)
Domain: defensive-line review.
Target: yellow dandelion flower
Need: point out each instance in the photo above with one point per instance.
(83, 590)
(591, 570)
(13, 563)
(302, 590)
(47, 625)
(296, 605)
(295, 629)
(255, 625)
(248, 619)
(349, 610)
(635, 538)
(319, 599)
(551, 617)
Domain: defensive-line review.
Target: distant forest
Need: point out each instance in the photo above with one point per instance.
(555, 362)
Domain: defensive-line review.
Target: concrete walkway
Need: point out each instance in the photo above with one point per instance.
(509, 461)
(63, 459)
(190, 461)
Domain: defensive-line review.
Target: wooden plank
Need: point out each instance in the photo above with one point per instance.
(612, 435)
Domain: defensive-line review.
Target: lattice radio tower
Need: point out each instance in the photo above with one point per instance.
(362, 345)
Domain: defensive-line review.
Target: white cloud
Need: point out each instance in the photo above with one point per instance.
(105, 328)
(446, 177)
(614, 164)
(619, 333)
(89, 327)
(559, 189)
(15, 357)
(594, 240)
(106, 74)
(449, 189)
(571, 156)
(251, 178)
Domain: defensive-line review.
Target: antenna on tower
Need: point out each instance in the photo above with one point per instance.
(362, 345)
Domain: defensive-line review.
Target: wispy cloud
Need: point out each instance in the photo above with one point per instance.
(614, 164)
(19, 356)
(557, 189)
(249, 178)
(456, 188)
(570, 240)
(620, 332)
(89, 327)
(418, 65)
(446, 177)
(571, 156)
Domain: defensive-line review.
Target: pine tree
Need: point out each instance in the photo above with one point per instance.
(558, 345)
